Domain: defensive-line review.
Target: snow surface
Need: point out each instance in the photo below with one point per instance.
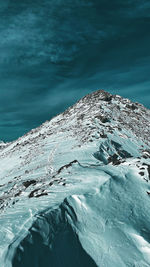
(75, 191)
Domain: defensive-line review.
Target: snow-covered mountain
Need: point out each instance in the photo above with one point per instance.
(76, 190)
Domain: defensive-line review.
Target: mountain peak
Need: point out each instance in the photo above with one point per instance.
(83, 176)
(99, 94)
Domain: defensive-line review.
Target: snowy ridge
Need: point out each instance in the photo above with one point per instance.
(80, 179)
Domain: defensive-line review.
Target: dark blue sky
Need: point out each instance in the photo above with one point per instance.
(53, 52)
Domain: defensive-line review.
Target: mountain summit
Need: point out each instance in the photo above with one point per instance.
(75, 191)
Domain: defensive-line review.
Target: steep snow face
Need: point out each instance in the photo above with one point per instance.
(75, 191)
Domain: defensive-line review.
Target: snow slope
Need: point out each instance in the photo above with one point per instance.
(75, 191)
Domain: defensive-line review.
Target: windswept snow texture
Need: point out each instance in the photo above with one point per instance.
(76, 191)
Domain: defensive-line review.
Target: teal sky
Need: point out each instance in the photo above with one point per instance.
(53, 52)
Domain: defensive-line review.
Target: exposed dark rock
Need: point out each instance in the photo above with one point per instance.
(81, 117)
(146, 154)
(132, 106)
(32, 193)
(18, 193)
(28, 183)
(42, 194)
(67, 165)
(141, 173)
(114, 159)
(103, 135)
(148, 169)
(107, 98)
(103, 119)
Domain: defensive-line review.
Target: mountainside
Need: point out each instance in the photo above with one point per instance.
(76, 190)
